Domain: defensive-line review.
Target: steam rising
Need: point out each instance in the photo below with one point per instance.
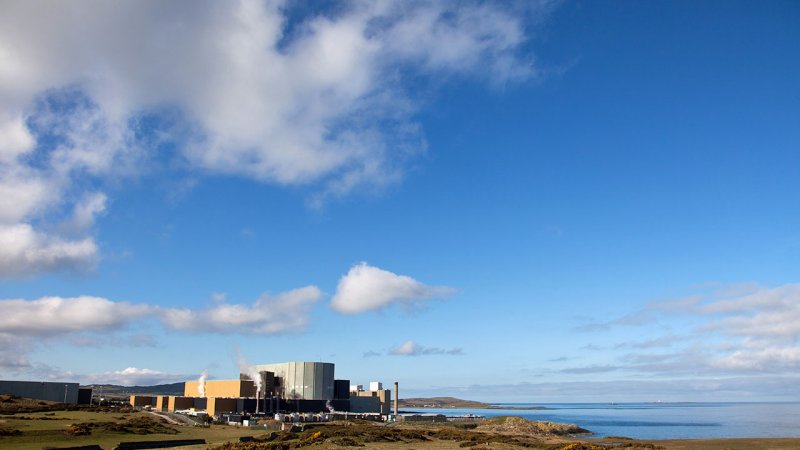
(250, 370)
(201, 383)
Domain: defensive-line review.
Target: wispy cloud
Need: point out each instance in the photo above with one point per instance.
(772, 387)
(638, 318)
(411, 348)
(590, 369)
(132, 376)
(744, 328)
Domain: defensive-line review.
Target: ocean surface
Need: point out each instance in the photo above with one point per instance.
(658, 420)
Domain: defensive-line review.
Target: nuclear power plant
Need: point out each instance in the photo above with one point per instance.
(281, 388)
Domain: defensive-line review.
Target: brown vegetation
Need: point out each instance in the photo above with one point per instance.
(8, 431)
(11, 404)
(514, 433)
(136, 425)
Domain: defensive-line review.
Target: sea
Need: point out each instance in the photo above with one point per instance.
(657, 420)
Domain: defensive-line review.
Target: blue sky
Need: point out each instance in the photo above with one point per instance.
(556, 201)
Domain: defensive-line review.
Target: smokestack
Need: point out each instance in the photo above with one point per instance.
(396, 396)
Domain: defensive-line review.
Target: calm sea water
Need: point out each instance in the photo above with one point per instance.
(661, 420)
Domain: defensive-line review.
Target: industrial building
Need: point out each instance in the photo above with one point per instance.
(50, 391)
(375, 399)
(290, 387)
(302, 380)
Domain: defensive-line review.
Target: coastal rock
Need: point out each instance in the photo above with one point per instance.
(518, 425)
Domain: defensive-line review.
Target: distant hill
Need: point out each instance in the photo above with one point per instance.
(440, 402)
(115, 390)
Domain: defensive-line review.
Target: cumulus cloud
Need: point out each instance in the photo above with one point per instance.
(56, 315)
(25, 251)
(411, 348)
(366, 288)
(96, 321)
(91, 90)
(285, 312)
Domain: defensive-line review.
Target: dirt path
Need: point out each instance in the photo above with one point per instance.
(166, 417)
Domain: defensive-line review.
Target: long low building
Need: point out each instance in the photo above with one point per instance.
(44, 390)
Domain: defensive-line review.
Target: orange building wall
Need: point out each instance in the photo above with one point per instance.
(221, 388)
(180, 403)
(217, 406)
(142, 400)
(162, 401)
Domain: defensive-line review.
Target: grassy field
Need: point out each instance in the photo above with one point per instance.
(64, 428)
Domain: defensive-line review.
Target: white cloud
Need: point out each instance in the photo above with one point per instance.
(285, 312)
(411, 348)
(24, 251)
(16, 139)
(23, 193)
(238, 87)
(87, 210)
(55, 315)
(94, 321)
(366, 288)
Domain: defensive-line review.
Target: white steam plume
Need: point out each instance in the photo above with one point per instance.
(250, 370)
(201, 383)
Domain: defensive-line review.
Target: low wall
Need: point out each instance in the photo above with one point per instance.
(137, 445)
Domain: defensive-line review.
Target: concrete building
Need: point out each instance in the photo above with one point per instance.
(383, 396)
(301, 380)
(42, 390)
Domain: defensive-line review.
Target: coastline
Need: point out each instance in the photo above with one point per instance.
(657, 421)
(727, 443)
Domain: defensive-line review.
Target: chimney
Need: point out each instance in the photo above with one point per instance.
(396, 396)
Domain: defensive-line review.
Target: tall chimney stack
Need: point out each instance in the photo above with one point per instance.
(396, 397)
